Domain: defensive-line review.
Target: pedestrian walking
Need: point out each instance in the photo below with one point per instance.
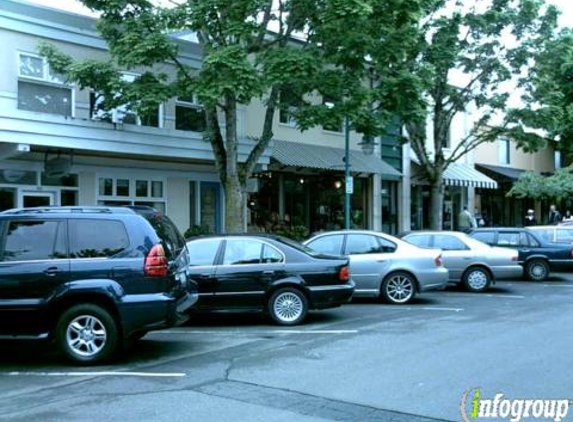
(554, 216)
(466, 220)
(568, 216)
(530, 219)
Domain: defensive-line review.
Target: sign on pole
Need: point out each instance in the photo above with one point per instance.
(349, 185)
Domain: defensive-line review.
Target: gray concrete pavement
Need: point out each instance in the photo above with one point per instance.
(364, 361)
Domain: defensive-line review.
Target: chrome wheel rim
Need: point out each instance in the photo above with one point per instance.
(400, 289)
(477, 280)
(86, 335)
(288, 307)
(537, 271)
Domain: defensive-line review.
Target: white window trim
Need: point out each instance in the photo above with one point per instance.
(132, 189)
(46, 80)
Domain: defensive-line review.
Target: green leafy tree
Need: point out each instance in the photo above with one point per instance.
(491, 43)
(536, 186)
(549, 96)
(249, 53)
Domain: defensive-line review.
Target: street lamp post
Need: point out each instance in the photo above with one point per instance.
(349, 183)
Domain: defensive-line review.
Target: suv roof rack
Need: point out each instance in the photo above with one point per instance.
(69, 210)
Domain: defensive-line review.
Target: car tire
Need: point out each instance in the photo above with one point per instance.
(87, 334)
(476, 279)
(537, 270)
(288, 306)
(398, 288)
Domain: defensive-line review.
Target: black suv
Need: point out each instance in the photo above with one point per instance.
(91, 277)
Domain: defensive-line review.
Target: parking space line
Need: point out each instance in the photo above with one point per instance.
(506, 296)
(91, 374)
(257, 332)
(558, 285)
(443, 309)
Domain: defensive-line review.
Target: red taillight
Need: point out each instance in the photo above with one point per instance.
(515, 257)
(344, 274)
(156, 262)
(438, 261)
(571, 253)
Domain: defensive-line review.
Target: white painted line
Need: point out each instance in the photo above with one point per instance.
(443, 309)
(236, 332)
(507, 296)
(558, 285)
(92, 374)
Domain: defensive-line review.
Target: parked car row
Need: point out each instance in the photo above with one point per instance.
(91, 279)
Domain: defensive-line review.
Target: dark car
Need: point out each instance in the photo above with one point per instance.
(90, 278)
(266, 273)
(537, 255)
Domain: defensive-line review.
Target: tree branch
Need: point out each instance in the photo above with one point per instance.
(265, 138)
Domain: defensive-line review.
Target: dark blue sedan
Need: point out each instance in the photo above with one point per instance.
(537, 255)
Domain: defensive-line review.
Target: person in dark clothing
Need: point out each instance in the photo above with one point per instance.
(530, 219)
(554, 216)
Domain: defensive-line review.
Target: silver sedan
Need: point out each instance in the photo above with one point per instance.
(470, 262)
(382, 265)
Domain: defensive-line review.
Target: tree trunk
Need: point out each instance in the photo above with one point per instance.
(235, 206)
(436, 204)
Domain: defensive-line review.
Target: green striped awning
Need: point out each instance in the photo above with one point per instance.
(295, 154)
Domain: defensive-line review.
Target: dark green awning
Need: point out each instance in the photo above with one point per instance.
(295, 154)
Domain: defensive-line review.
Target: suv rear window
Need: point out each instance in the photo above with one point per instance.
(96, 238)
(167, 232)
(34, 240)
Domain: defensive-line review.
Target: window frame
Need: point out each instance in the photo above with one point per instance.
(435, 245)
(342, 243)
(218, 252)
(260, 241)
(132, 198)
(69, 237)
(504, 143)
(325, 101)
(193, 104)
(114, 112)
(62, 224)
(47, 79)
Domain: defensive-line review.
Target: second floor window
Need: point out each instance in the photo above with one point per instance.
(40, 89)
(289, 102)
(121, 113)
(189, 114)
(504, 147)
(335, 124)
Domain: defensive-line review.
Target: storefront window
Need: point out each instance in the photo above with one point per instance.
(7, 198)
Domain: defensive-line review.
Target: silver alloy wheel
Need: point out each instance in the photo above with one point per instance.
(477, 279)
(86, 335)
(537, 271)
(288, 307)
(400, 289)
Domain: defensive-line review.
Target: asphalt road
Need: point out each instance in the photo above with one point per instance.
(363, 362)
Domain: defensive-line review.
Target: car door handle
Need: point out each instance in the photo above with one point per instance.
(52, 271)
(269, 272)
(205, 276)
(467, 258)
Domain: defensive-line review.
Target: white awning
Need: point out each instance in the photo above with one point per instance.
(459, 174)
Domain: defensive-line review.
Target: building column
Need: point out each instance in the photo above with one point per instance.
(405, 192)
(281, 196)
(375, 212)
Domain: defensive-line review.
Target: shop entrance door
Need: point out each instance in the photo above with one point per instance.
(38, 199)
